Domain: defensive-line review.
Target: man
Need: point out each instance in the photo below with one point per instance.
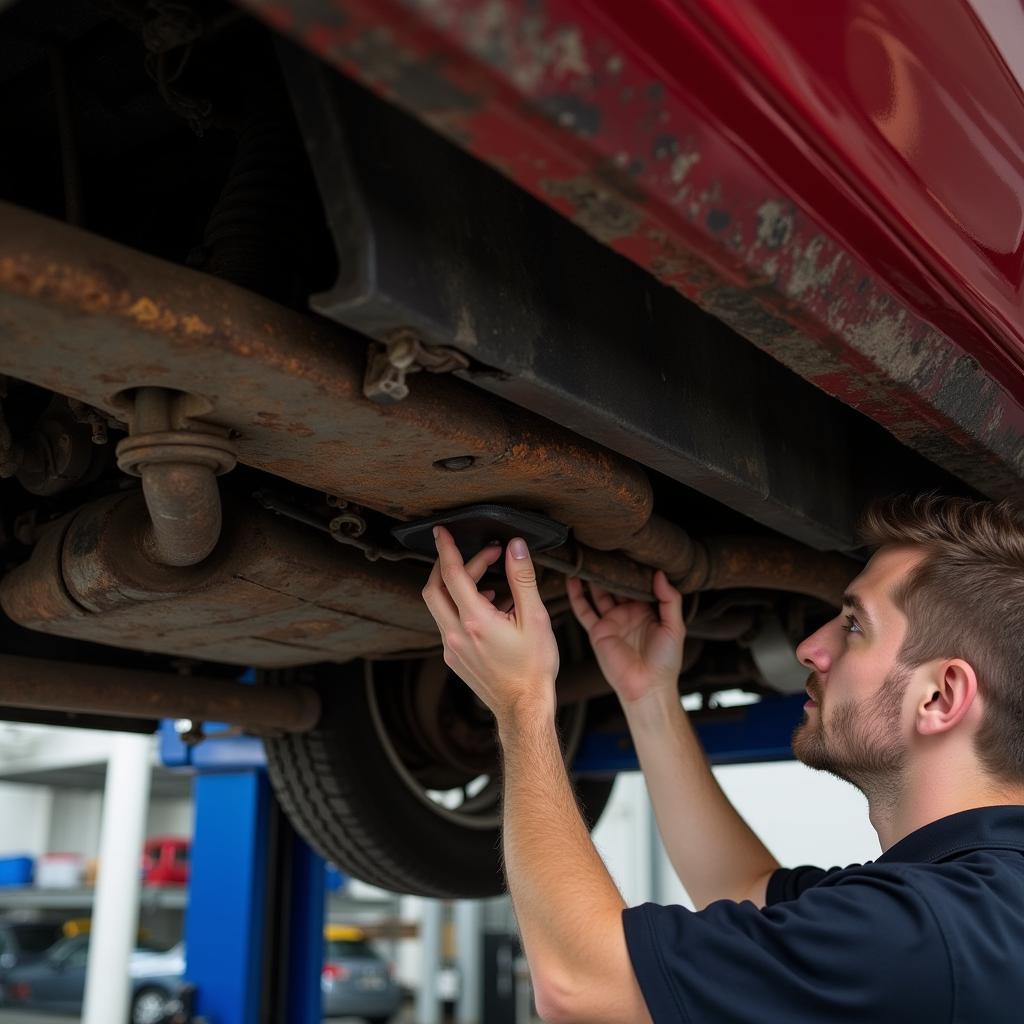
(917, 698)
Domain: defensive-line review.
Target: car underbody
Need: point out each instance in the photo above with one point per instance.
(253, 317)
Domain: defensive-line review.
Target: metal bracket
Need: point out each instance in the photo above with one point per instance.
(404, 353)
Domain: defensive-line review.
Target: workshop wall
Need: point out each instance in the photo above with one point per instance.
(802, 816)
(25, 813)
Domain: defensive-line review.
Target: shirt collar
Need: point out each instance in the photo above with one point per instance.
(999, 828)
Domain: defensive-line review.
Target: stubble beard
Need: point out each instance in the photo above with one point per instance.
(862, 744)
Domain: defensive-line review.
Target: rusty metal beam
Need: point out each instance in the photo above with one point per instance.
(128, 693)
(93, 320)
(555, 95)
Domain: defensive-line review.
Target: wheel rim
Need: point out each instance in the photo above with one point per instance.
(476, 803)
(149, 1008)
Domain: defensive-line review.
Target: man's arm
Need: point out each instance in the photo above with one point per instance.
(568, 908)
(713, 850)
(639, 648)
(569, 911)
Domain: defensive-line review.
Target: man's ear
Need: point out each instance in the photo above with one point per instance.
(952, 692)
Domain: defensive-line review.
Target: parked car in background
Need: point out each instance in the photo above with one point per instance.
(165, 861)
(24, 940)
(56, 982)
(356, 981)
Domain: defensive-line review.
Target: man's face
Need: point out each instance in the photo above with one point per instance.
(853, 724)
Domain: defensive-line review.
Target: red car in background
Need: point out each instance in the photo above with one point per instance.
(693, 280)
(165, 861)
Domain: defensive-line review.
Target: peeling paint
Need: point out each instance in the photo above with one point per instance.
(808, 269)
(681, 166)
(572, 112)
(774, 224)
(569, 56)
(718, 220)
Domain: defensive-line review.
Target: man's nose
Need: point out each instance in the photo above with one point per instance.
(814, 652)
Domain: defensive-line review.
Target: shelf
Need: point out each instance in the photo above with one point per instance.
(164, 783)
(161, 898)
(31, 898)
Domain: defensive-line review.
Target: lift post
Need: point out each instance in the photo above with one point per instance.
(255, 918)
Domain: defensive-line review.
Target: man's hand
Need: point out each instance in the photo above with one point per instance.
(639, 647)
(508, 658)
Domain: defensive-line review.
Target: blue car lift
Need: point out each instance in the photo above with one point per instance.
(254, 923)
(255, 916)
(739, 735)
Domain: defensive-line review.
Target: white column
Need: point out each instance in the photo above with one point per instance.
(408, 956)
(115, 913)
(428, 1005)
(468, 940)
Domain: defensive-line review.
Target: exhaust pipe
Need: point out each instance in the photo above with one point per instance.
(130, 693)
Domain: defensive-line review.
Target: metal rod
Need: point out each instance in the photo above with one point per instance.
(131, 693)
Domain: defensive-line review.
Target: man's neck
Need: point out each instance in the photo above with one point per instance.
(933, 792)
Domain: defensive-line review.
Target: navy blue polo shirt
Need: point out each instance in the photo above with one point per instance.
(932, 931)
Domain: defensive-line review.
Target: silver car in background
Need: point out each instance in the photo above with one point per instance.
(356, 981)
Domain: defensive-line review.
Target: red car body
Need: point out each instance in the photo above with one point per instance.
(842, 183)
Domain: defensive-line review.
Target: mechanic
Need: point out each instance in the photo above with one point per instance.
(916, 699)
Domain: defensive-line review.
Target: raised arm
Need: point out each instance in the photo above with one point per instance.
(639, 648)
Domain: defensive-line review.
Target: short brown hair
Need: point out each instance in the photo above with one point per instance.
(965, 600)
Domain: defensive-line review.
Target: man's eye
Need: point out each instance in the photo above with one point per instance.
(852, 625)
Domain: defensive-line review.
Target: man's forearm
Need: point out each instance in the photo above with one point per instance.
(555, 876)
(713, 850)
(567, 905)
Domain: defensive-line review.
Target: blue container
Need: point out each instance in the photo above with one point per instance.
(16, 870)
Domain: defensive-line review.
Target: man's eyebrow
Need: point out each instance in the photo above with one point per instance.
(851, 600)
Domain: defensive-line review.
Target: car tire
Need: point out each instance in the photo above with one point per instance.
(351, 798)
(149, 1005)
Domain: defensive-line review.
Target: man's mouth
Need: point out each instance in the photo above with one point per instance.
(813, 691)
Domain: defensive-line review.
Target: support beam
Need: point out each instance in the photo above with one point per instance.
(469, 953)
(224, 924)
(428, 1004)
(115, 916)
